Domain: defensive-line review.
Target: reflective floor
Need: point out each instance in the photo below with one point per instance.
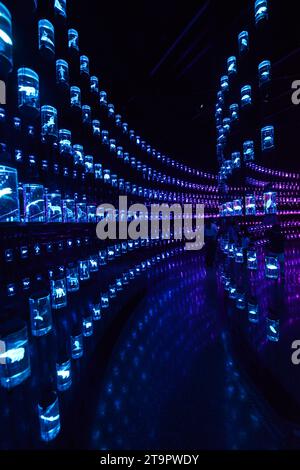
(171, 382)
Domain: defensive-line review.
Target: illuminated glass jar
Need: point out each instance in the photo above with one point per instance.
(239, 255)
(224, 83)
(114, 181)
(28, 92)
(93, 263)
(120, 153)
(226, 125)
(49, 417)
(112, 145)
(273, 333)
(253, 311)
(103, 98)
(231, 250)
(112, 291)
(125, 128)
(246, 96)
(84, 270)
(264, 72)
(9, 198)
(62, 72)
(92, 213)
(110, 253)
(58, 288)
(252, 262)
(118, 120)
(60, 7)
(237, 207)
(96, 311)
(14, 354)
(75, 97)
(270, 202)
(98, 171)
(72, 277)
(69, 211)
(81, 212)
(248, 150)
(232, 292)
(106, 176)
(6, 42)
(231, 66)
(64, 375)
(40, 314)
(78, 154)
(250, 205)
(94, 84)
(240, 301)
(54, 207)
(34, 202)
(84, 65)
(96, 128)
(105, 137)
(65, 141)
(87, 326)
(234, 112)
(73, 39)
(272, 268)
(102, 258)
(261, 11)
(86, 114)
(243, 40)
(77, 346)
(236, 159)
(267, 138)
(46, 37)
(111, 110)
(89, 164)
(105, 300)
(49, 122)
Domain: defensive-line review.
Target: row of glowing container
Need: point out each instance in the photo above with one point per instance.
(15, 365)
(235, 208)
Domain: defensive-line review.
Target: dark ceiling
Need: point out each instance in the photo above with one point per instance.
(159, 61)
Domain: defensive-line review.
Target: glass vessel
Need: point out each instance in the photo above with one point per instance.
(248, 150)
(237, 207)
(84, 270)
(96, 311)
(105, 137)
(267, 138)
(54, 207)
(272, 267)
(103, 98)
(260, 11)
(236, 159)
(77, 346)
(234, 112)
(243, 40)
(252, 262)
(231, 65)
(64, 375)
(246, 96)
(34, 202)
(78, 154)
(28, 92)
(84, 65)
(65, 141)
(93, 263)
(62, 72)
(46, 37)
(49, 417)
(69, 211)
(239, 255)
(98, 171)
(14, 354)
(60, 7)
(40, 314)
(87, 326)
(105, 300)
(94, 84)
(9, 198)
(75, 96)
(96, 128)
(224, 83)
(250, 205)
(273, 330)
(58, 292)
(270, 202)
(72, 277)
(240, 301)
(49, 121)
(86, 114)
(6, 41)
(253, 312)
(73, 39)
(264, 72)
(81, 212)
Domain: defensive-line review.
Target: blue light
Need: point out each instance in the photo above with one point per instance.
(273, 330)
(73, 39)
(267, 138)
(234, 112)
(248, 151)
(49, 121)
(261, 11)
(40, 314)
(243, 40)
(46, 37)
(77, 346)
(49, 418)
(62, 72)
(224, 83)
(28, 91)
(231, 65)
(9, 199)
(75, 96)
(246, 96)
(64, 375)
(264, 72)
(6, 43)
(34, 203)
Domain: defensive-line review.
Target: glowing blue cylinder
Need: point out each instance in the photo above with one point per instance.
(105, 137)
(111, 110)
(103, 98)
(28, 91)
(86, 114)
(93, 260)
(58, 293)
(261, 11)
(94, 84)
(98, 171)
(49, 417)
(264, 72)
(234, 112)
(77, 346)
(96, 128)
(64, 375)
(69, 210)
(60, 8)
(250, 205)
(73, 39)
(270, 202)
(246, 96)
(62, 72)
(224, 83)
(81, 212)
(272, 267)
(46, 37)
(240, 301)
(236, 159)
(252, 262)
(105, 300)
(9, 199)
(87, 326)
(273, 332)
(54, 207)
(34, 203)
(248, 150)
(237, 207)
(243, 40)
(253, 312)
(232, 65)
(89, 164)
(84, 65)
(75, 97)
(6, 42)
(84, 270)
(65, 141)
(78, 155)
(49, 121)
(40, 314)
(14, 355)
(72, 277)
(239, 255)
(267, 138)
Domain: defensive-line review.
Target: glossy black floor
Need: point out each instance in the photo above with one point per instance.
(171, 381)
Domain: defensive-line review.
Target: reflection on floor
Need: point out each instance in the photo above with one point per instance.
(171, 382)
